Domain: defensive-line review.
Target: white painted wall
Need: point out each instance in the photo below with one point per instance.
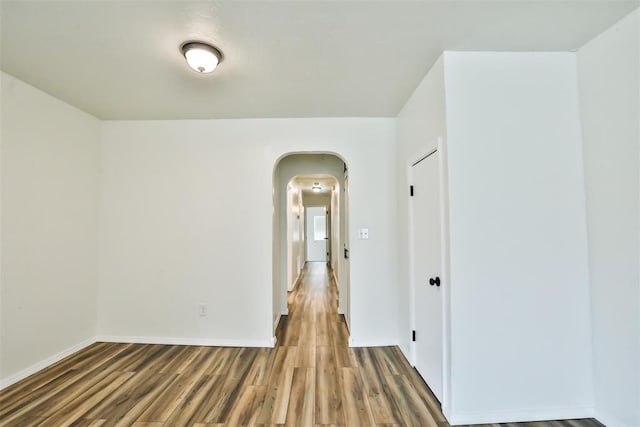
(520, 308)
(186, 218)
(609, 76)
(48, 228)
(519, 299)
(421, 121)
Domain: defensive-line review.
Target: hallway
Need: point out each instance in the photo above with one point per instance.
(333, 384)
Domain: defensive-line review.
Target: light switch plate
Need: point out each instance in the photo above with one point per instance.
(202, 310)
(363, 234)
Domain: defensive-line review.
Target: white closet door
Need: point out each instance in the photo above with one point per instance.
(427, 248)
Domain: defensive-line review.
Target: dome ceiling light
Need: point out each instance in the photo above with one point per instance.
(201, 57)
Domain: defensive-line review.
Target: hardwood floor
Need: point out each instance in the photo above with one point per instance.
(312, 378)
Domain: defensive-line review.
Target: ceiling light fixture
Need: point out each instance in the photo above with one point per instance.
(201, 57)
(316, 188)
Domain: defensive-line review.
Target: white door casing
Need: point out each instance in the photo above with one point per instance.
(345, 255)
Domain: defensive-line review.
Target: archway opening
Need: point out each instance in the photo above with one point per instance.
(301, 182)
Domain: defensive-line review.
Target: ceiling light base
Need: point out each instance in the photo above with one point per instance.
(202, 57)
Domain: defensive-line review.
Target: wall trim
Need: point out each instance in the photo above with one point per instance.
(335, 279)
(522, 415)
(276, 322)
(208, 342)
(609, 420)
(45, 363)
(371, 343)
(298, 279)
(38, 366)
(407, 355)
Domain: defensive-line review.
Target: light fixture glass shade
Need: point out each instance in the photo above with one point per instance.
(201, 57)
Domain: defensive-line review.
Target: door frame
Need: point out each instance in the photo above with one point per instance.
(433, 146)
(279, 220)
(344, 253)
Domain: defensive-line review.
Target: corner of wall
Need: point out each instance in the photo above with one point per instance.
(36, 367)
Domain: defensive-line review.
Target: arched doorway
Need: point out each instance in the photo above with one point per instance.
(294, 177)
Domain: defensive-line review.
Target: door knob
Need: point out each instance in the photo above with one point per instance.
(435, 281)
(431, 281)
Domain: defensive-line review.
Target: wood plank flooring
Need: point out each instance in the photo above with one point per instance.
(312, 378)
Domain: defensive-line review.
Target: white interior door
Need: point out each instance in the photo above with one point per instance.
(426, 248)
(316, 234)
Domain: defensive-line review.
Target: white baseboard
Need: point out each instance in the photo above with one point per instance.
(446, 411)
(275, 324)
(522, 415)
(346, 322)
(609, 420)
(269, 342)
(295, 282)
(375, 343)
(340, 308)
(407, 354)
(6, 382)
(36, 367)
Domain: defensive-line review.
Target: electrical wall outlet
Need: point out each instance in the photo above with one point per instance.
(202, 310)
(363, 234)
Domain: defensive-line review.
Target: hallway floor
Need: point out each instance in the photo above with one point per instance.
(311, 378)
(345, 386)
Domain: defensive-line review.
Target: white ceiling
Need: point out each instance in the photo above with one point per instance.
(121, 59)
